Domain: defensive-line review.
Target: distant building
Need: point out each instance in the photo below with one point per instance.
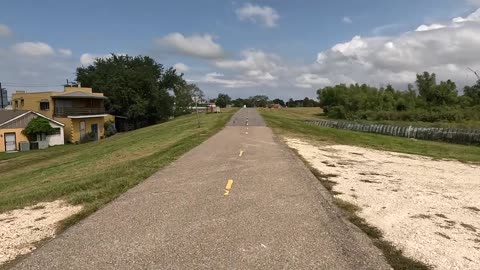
(3, 98)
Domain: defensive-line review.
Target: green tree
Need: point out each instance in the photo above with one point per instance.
(239, 102)
(473, 93)
(259, 100)
(291, 103)
(223, 100)
(446, 93)
(36, 127)
(137, 87)
(184, 97)
(279, 101)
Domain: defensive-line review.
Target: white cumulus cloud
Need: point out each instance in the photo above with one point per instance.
(309, 80)
(33, 49)
(65, 52)
(434, 26)
(89, 58)
(446, 49)
(218, 78)
(475, 16)
(257, 14)
(255, 66)
(202, 46)
(181, 67)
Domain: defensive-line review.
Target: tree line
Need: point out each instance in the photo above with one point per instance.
(427, 101)
(264, 101)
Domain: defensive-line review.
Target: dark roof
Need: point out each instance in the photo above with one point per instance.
(79, 94)
(6, 115)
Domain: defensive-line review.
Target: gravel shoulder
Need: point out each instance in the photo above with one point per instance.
(21, 229)
(428, 208)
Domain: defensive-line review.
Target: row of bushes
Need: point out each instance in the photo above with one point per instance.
(448, 114)
(429, 101)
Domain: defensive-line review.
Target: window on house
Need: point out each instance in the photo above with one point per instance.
(22, 103)
(55, 131)
(16, 104)
(44, 105)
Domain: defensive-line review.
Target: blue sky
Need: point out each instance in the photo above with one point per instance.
(238, 47)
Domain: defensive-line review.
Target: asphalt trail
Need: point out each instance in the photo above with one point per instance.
(275, 215)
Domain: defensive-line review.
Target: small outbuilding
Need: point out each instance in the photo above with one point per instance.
(12, 123)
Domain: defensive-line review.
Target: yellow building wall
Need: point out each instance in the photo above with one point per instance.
(75, 89)
(110, 118)
(88, 127)
(81, 89)
(31, 102)
(19, 137)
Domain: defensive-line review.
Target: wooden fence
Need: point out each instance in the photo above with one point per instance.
(450, 135)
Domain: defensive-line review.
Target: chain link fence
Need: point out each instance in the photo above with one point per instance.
(450, 135)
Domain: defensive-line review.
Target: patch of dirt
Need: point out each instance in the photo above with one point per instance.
(429, 210)
(20, 229)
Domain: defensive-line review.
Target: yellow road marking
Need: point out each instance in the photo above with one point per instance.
(228, 187)
(246, 132)
(241, 153)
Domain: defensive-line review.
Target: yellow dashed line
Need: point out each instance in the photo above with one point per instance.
(228, 187)
(241, 153)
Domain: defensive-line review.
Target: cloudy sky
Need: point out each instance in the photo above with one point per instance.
(275, 47)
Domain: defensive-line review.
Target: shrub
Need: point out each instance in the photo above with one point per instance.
(337, 112)
(37, 126)
(110, 129)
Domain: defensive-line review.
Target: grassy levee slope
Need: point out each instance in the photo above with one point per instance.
(96, 173)
(289, 122)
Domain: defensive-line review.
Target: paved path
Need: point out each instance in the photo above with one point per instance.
(276, 215)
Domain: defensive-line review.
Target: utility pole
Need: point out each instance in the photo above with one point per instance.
(196, 108)
(1, 96)
(474, 72)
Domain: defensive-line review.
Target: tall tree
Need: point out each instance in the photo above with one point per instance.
(279, 101)
(136, 87)
(183, 98)
(426, 84)
(473, 93)
(291, 103)
(259, 100)
(223, 100)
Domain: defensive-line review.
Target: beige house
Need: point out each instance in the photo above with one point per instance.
(12, 123)
(78, 108)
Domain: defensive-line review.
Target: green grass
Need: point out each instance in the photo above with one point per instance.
(289, 122)
(96, 173)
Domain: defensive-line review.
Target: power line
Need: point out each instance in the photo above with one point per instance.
(30, 85)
